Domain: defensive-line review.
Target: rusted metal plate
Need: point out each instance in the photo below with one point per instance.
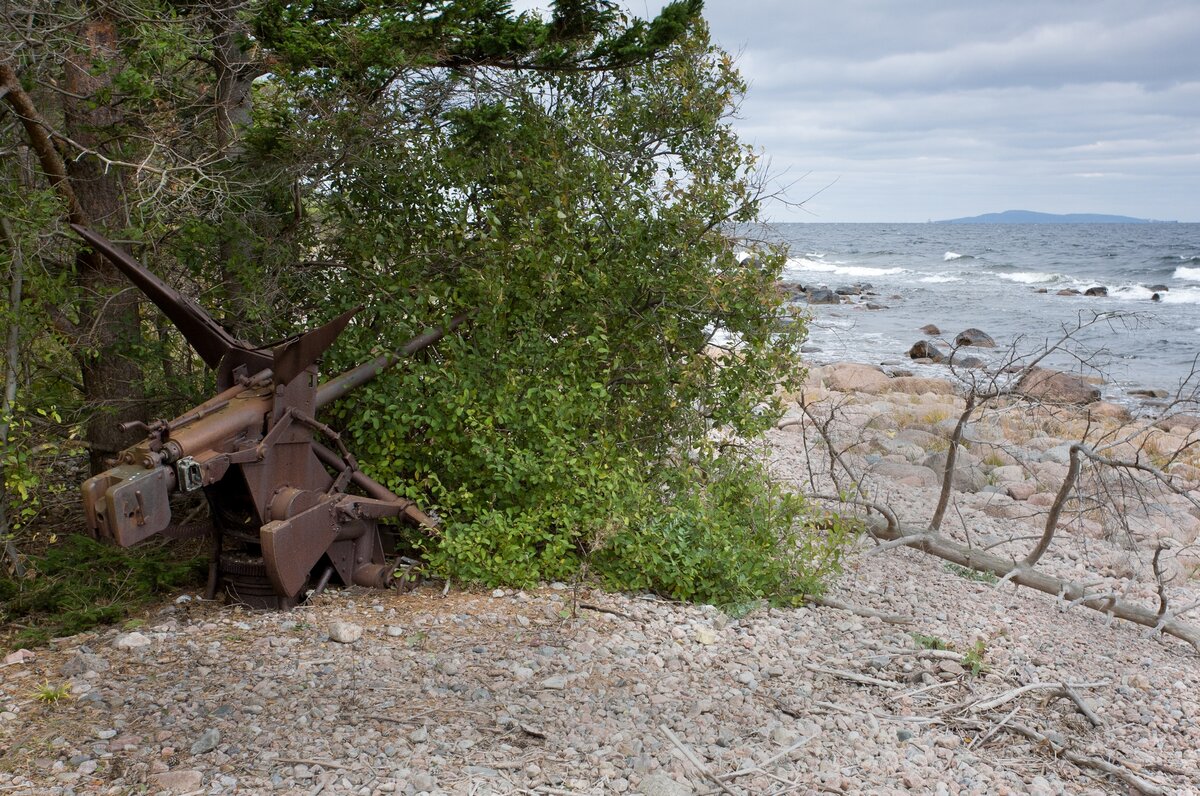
(292, 547)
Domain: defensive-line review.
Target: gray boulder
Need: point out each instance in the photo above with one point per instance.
(923, 349)
(793, 290)
(974, 337)
(959, 360)
(968, 475)
(823, 296)
(912, 474)
(1096, 291)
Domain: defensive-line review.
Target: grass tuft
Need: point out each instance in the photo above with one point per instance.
(51, 694)
(80, 583)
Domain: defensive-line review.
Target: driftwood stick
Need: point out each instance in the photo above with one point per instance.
(870, 613)
(602, 610)
(980, 740)
(836, 708)
(1083, 761)
(306, 761)
(1083, 705)
(1009, 696)
(741, 772)
(690, 756)
(853, 677)
(1071, 591)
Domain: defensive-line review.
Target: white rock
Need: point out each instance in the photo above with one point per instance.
(131, 641)
(663, 785)
(182, 781)
(345, 632)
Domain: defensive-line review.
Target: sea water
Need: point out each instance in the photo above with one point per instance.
(1004, 279)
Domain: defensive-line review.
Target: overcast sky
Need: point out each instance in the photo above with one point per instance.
(910, 110)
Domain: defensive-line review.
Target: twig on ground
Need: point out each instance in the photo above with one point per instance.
(770, 760)
(881, 716)
(980, 740)
(690, 756)
(601, 609)
(1083, 706)
(306, 762)
(1084, 761)
(870, 613)
(854, 677)
(1008, 696)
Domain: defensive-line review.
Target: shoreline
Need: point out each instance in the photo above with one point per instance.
(832, 316)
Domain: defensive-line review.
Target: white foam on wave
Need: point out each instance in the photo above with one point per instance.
(842, 269)
(1190, 274)
(948, 256)
(1183, 295)
(1031, 277)
(938, 279)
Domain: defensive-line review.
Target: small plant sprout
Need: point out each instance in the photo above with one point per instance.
(974, 658)
(971, 574)
(51, 694)
(930, 642)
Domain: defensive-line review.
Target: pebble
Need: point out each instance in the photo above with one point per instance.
(19, 656)
(207, 741)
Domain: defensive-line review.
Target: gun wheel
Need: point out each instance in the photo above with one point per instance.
(244, 580)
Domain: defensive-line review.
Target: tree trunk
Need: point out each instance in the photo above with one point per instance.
(112, 379)
(11, 350)
(235, 73)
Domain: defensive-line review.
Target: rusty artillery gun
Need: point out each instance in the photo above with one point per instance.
(283, 515)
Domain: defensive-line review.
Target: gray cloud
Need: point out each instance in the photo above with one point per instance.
(935, 109)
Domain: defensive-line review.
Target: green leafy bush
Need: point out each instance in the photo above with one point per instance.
(735, 539)
(584, 221)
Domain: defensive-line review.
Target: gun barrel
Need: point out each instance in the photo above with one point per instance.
(338, 386)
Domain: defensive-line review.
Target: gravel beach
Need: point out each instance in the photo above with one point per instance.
(958, 684)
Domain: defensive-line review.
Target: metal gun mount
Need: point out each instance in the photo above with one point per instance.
(283, 515)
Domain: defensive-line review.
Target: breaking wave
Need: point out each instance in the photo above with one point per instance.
(1190, 274)
(1182, 295)
(1032, 277)
(841, 269)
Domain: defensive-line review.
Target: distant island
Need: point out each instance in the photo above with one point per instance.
(1030, 217)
